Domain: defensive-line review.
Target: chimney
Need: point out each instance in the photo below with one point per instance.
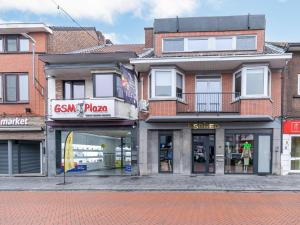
(149, 37)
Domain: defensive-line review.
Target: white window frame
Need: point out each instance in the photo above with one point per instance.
(211, 43)
(267, 82)
(152, 82)
(298, 91)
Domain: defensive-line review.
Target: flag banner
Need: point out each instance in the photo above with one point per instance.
(128, 85)
(69, 156)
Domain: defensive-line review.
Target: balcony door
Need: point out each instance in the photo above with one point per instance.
(208, 94)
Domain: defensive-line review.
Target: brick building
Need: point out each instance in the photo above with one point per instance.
(210, 97)
(22, 90)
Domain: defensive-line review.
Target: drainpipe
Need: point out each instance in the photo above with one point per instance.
(33, 55)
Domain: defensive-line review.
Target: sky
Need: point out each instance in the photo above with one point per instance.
(123, 21)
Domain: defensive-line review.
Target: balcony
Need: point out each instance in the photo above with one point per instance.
(218, 102)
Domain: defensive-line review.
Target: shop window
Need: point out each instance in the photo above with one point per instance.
(239, 153)
(166, 83)
(295, 154)
(16, 88)
(173, 45)
(97, 152)
(74, 89)
(166, 153)
(253, 82)
(108, 85)
(246, 43)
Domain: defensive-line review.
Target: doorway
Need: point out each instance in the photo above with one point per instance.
(203, 153)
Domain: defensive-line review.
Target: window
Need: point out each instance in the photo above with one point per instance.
(179, 85)
(74, 90)
(1, 44)
(166, 83)
(108, 85)
(163, 83)
(16, 88)
(11, 43)
(224, 43)
(1, 96)
(173, 45)
(24, 45)
(246, 43)
(253, 82)
(197, 44)
(238, 84)
(166, 153)
(298, 84)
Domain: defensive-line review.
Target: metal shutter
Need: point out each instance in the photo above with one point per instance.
(3, 157)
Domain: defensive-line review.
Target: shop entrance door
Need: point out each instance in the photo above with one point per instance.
(203, 151)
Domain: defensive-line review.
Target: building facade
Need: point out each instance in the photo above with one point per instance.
(210, 97)
(291, 112)
(93, 93)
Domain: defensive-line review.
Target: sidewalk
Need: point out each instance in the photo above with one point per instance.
(154, 183)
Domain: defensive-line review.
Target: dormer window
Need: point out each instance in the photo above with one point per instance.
(219, 43)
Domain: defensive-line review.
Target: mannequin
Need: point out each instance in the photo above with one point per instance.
(246, 155)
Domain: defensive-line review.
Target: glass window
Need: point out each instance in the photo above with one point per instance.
(238, 84)
(24, 45)
(173, 45)
(74, 90)
(255, 82)
(179, 85)
(224, 43)
(23, 88)
(120, 92)
(11, 43)
(163, 83)
(67, 90)
(1, 96)
(165, 153)
(1, 44)
(197, 44)
(103, 84)
(11, 88)
(246, 43)
(295, 154)
(298, 84)
(239, 152)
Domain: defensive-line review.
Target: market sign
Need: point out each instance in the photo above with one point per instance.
(204, 125)
(68, 109)
(291, 127)
(13, 121)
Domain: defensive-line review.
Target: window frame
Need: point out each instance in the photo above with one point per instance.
(298, 91)
(4, 88)
(211, 43)
(72, 82)
(18, 38)
(267, 82)
(2, 44)
(114, 87)
(152, 83)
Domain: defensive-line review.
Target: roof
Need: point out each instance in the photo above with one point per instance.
(68, 39)
(15, 28)
(287, 46)
(136, 48)
(202, 24)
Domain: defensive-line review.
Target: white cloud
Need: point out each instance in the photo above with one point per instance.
(104, 10)
(215, 4)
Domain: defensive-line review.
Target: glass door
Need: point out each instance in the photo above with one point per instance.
(203, 153)
(208, 97)
(264, 154)
(295, 154)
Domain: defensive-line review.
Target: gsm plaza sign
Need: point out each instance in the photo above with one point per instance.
(68, 109)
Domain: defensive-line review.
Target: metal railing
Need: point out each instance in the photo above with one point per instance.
(209, 102)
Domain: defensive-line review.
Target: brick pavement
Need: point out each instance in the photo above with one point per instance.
(143, 208)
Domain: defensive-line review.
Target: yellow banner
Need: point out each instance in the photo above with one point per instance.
(69, 157)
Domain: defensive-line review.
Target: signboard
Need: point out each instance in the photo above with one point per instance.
(291, 127)
(128, 85)
(68, 109)
(14, 121)
(204, 125)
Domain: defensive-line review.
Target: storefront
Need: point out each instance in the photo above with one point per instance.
(210, 147)
(290, 158)
(22, 146)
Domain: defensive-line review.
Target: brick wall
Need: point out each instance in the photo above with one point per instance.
(158, 37)
(59, 89)
(149, 37)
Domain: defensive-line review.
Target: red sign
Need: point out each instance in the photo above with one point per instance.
(291, 127)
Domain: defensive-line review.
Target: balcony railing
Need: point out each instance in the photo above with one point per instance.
(217, 102)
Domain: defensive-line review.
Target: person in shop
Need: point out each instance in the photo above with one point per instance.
(246, 155)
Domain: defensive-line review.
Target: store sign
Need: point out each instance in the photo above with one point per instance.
(204, 125)
(67, 109)
(291, 127)
(13, 121)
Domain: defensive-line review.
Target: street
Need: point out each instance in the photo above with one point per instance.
(88, 208)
